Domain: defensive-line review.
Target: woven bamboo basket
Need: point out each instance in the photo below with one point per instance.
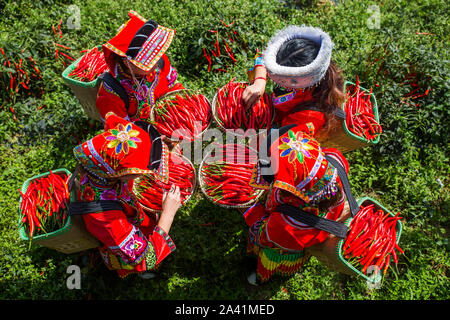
(71, 238)
(194, 186)
(341, 137)
(329, 252)
(86, 92)
(260, 135)
(248, 204)
(173, 93)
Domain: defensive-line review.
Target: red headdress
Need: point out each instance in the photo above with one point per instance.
(123, 148)
(142, 42)
(299, 166)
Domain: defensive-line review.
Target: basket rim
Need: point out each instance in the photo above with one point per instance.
(347, 223)
(248, 204)
(222, 128)
(170, 93)
(194, 187)
(375, 113)
(72, 67)
(62, 230)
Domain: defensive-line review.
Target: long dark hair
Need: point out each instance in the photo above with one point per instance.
(328, 94)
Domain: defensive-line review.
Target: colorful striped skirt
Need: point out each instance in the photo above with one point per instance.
(272, 261)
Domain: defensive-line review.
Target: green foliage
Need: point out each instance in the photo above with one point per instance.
(408, 171)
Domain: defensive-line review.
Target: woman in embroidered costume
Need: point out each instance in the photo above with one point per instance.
(297, 173)
(132, 241)
(136, 58)
(308, 86)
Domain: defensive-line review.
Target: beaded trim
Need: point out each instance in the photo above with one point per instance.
(98, 157)
(152, 45)
(312, 173)
(108, 89)
(284, 98)
(256, 180)
(166, 237)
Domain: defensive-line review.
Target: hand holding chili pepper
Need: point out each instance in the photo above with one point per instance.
(232, 114)
(149, 190)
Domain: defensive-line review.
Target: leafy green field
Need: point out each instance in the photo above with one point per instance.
(408, 171)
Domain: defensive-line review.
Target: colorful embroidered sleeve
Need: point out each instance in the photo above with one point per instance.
(115, 232)
(160, 246)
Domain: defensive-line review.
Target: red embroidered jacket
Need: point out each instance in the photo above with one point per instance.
(157, 83)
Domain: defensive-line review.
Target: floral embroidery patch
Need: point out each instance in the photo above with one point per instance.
(88, 194)
(295, 147)
(123, 138)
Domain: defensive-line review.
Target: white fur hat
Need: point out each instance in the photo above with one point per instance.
(298, 77)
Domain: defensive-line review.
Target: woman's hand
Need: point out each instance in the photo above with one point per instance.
(170, 204)
(254, 92)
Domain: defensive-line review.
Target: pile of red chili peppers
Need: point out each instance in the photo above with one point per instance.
(372, 239)
(91, 65)
(25, 74)
(180, 112)
(223, 39)
(59, 48)
(232, 114)
(417, 83)
(149, 190)
(44, 204)
(360, 116)
(226, 181)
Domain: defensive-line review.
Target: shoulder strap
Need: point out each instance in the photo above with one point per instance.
(330, 226)
(79, 208)
(354, 207)
(310, 219)
(115, 85)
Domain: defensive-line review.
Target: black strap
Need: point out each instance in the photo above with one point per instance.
(73, 176)
(115, 85)
(310, 219)
(354, 207)
(156, 148)
(79, 208)
(264, 155)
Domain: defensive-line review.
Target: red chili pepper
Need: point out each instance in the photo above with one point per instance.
(67, 56)
(63, 46)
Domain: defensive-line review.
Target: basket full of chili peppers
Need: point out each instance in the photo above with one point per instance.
(372, 241)
(149, 190)
(181, 115)
(230, 112)
(86, 69)
(225, 173)
(361, 127)
(361, 110)
(82, 76)
(43, 214)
